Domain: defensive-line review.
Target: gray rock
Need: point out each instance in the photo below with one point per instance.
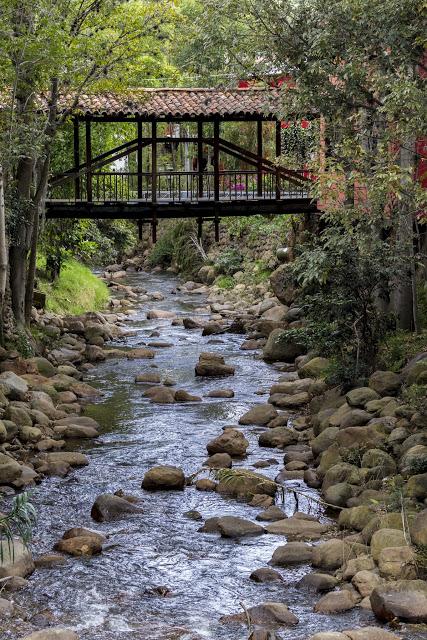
(108, 507)
(234, 527)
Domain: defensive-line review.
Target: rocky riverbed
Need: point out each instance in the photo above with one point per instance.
(198, 506)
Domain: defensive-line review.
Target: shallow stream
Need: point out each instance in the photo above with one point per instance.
(108, 597)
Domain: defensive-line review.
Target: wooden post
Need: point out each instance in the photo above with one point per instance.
(216, 160)
(154, 161)
(259, 154)
(278, 154)
(76, 158)
(139, 229)
(199, 227)
(154, 179)
(278, 138)
(139, 158)
(88, 162)
(216, 226)
(200, 157)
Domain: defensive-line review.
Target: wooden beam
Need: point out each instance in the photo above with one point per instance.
(154, 161)
(216, 159)
(278, 144)
(259, 154)
(278, 129)
(199, 227)
(200, 157)
(139, 159)
(76, 157)
(88, 161)
(216, 225)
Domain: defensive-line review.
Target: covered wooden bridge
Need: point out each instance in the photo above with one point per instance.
(129, 181)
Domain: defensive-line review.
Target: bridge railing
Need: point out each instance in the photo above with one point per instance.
(177, 186)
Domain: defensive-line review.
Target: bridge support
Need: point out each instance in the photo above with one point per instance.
(140, 223)
(76, 158)
(216, 226)
(199, 228)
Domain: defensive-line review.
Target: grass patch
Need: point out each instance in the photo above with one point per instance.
(225, 282)
(76, 291)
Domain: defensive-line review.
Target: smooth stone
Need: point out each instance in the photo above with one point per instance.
(235, 527)
(265, 574)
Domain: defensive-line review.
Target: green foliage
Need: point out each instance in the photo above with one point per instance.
(228, 262)
(18, 522)
(416, 397)
(22, 344)
(399, 347)
(75, 291)
(260, 272)
(418, 466)
(95, 242)
(225, 282)
(177, 246)
(340, 276)
(255, 227)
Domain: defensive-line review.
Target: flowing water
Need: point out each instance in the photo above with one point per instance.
(108, 597)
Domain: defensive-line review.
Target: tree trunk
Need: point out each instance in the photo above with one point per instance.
(3, 254)
(19, 241)
(404, 297)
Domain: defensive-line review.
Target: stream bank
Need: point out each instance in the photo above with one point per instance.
(158, 576)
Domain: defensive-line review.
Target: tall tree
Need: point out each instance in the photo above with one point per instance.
(51, 49)
(359, 63)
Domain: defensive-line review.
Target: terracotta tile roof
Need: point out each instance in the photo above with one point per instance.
(181, 103)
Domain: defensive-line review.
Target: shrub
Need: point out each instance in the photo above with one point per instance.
(177, 246)
(228, 262)
(225, 282)
(340, 275)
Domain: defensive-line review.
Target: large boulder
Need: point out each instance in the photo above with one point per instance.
(341, 472)
(385, 538)
(278, 437)
(280, 347)
(14, 387)
(298, 528)
(365, 582)
(53, 633)
(331, 555)
(270, 613)
(356, 517)
(315, 368)
(397, 563)
(414, 460)
(283, 284)
(324, 440)
(10, 469)
(361, 396)
(405, 600)
(213, 365)
(418, 529)
(163, 477)
(79, 546)
(261, 414)
(231, 441)
(385, 383)
(291, 553)
(234, 527)
(246, 484)
(109, 507)
(16, 560)
(335, 602)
